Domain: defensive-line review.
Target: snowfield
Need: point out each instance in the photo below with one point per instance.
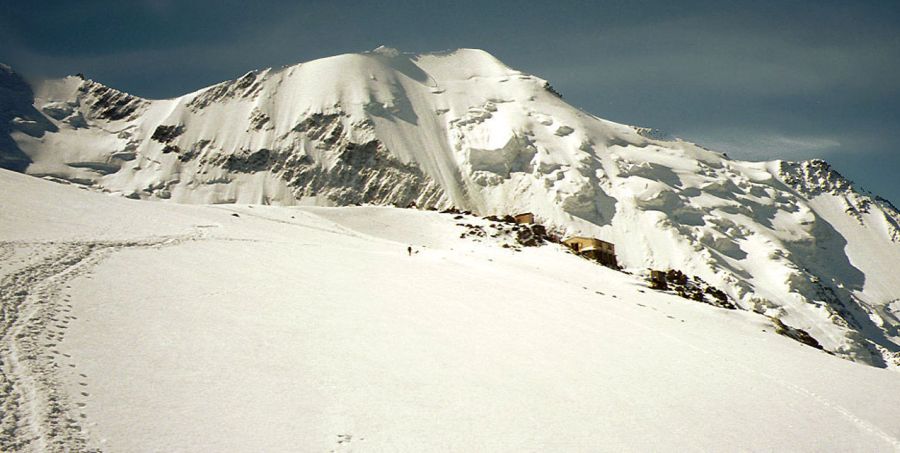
(139, 326)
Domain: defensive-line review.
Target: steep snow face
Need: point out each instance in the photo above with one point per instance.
(460, 128)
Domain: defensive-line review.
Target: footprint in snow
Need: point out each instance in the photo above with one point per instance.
(344, 438)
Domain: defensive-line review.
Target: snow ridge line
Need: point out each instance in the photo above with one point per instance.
(35, 413)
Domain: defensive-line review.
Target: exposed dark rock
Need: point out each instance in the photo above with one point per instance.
(796, 334)
(194, 151)
(813, 177)
(353, 173)
(326, 128)
(654, 134)
(531, 235)
(552, 90)
(110, 104)
(165, 134)
(258, 120)
(246, 86)
(696, 289)
(472, 231)
(259, 160)
(363, 172)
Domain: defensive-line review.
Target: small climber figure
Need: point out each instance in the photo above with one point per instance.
(409, 250)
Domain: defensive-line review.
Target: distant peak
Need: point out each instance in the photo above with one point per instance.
(386, 51)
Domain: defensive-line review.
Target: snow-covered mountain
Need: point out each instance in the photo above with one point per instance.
(792, 240)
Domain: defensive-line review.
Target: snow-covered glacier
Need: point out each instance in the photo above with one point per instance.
(792, 240)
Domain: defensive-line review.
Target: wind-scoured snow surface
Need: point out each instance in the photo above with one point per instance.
(137, 326)
(792, 240)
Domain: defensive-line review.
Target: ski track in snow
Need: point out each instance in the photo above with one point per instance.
(828, 404)
(336, 228)
(847, 414)
(831, 405)
(36, 414)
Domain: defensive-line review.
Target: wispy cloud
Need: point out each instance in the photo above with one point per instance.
(766, 146)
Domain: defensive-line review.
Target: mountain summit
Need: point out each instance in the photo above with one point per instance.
(793, 240)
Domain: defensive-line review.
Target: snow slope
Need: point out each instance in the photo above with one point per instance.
(186, 328)
(791, 240)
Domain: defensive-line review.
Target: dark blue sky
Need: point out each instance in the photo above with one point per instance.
(758, 80)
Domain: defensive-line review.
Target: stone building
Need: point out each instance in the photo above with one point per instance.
(595, 249)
